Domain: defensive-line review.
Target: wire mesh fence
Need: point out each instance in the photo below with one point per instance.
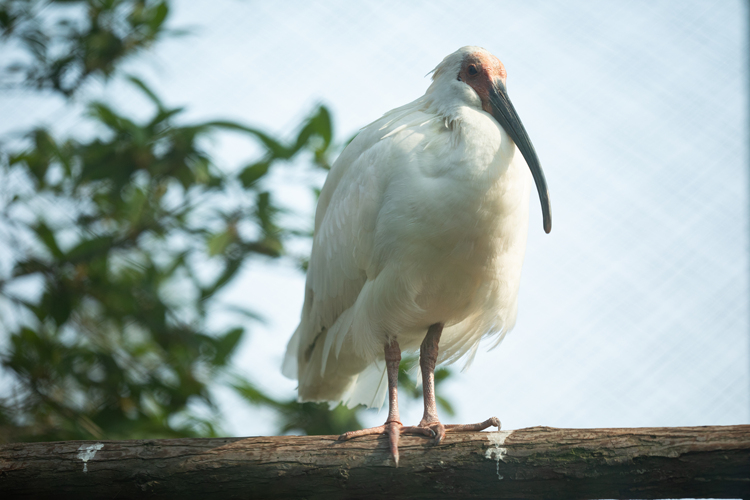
(634, 311)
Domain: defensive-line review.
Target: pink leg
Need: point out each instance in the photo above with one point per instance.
(392, 426)
(427, 359)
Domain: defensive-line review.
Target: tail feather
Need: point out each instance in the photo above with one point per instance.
(323, 376)
(289, 365)
(369, 388)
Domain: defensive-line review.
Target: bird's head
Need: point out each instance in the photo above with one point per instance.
(480, 77)
(479, 70)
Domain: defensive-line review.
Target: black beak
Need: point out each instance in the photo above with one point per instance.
(506, 116)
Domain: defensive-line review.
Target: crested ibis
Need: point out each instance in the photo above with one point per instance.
(420, 234)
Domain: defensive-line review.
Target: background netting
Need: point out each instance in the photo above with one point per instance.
(634, 310)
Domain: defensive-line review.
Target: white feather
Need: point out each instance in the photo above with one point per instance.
(423, 219)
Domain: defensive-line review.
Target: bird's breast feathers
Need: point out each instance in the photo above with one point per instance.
(448, 182)
(444, 203)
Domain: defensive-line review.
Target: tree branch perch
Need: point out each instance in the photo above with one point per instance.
(538, 462)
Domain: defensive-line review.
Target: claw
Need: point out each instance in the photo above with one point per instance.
(394, 431)
(439, 432)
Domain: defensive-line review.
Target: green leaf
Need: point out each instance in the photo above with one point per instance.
(445, 405)
(160, 14)
(29, 266)
(244, 311)
(317, 125)
(88, 248)
(252, 173)
(441, 374)
(115, 122)
(48, 238)
(219, 242)
(135, 205)
(274, 147)
(252, 394)
(146, 90)
(58, 302)
(230, 269)
(226, 345)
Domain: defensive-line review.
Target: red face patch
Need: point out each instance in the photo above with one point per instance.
(479, 70)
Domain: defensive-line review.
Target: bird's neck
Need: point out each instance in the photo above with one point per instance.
(479, 148)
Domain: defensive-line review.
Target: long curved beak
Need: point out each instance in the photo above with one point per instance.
(506, 116)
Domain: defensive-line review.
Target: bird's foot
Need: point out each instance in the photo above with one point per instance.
(393, 428)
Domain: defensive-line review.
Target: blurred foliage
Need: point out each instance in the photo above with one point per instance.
(123, 242)
(60, 47)
(130, 236)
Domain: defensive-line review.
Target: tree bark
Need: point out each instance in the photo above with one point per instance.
(539, 462)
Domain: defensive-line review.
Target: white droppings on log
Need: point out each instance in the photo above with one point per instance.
(497, 452)
(86, 453)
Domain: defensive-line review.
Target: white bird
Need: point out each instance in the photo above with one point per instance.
(420, 234)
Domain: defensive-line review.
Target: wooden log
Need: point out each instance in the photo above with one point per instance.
(539, 462)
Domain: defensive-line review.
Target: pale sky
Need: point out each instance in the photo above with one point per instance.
(634, 310)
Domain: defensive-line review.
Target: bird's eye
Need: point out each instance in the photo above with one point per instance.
(472, 70)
